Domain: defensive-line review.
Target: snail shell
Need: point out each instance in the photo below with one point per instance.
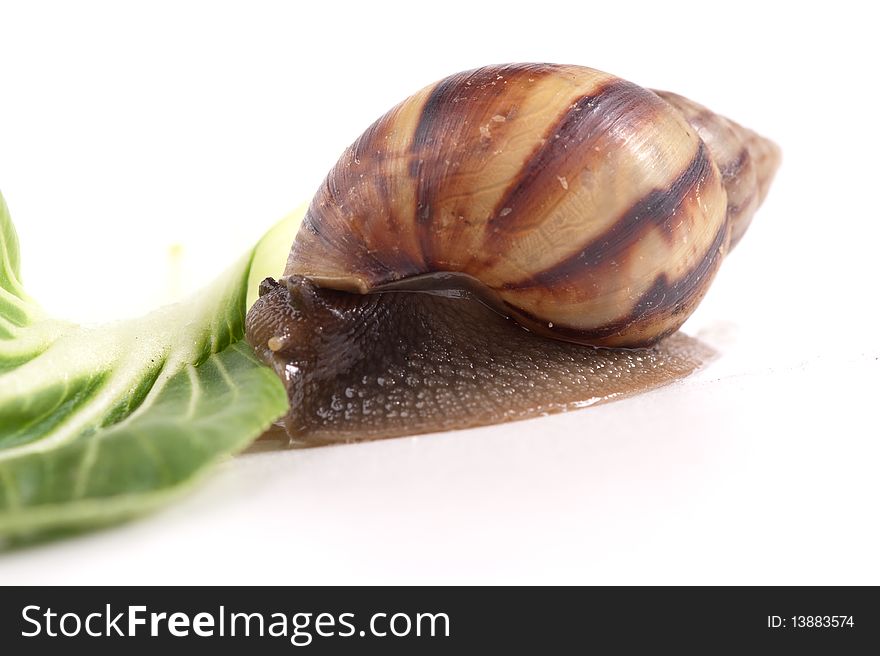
(587, 208)
(583, 207)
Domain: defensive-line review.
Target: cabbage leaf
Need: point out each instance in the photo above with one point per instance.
(99, 424)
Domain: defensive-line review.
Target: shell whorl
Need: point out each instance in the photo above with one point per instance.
(592, 209)
(747, 162)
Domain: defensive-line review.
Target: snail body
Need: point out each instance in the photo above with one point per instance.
(584, 208)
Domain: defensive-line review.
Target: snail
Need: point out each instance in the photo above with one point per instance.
(509, 241)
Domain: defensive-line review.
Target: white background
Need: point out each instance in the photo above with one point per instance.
(131, 132)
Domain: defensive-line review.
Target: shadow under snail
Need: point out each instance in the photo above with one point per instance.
(508, 242)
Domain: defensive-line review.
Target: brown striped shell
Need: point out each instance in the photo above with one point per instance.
(586, 207)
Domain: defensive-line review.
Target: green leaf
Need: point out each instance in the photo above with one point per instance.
(25, 331)
(200, 415)
(10, 259)
(100, 424)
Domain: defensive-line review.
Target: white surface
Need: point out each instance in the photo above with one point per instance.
(125, 131)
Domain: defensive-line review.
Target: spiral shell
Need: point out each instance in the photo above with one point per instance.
(588, 208)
